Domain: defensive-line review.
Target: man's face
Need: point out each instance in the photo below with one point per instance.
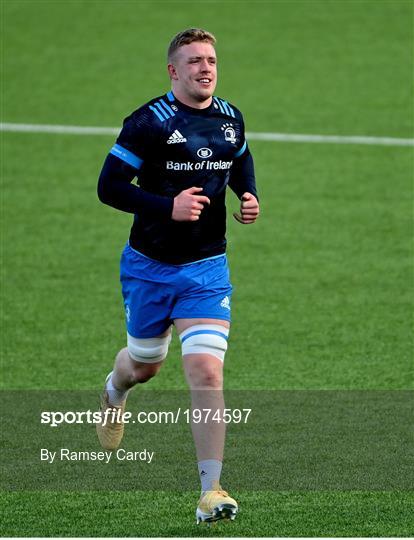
(194, 72)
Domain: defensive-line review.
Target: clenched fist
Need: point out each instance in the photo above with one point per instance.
(188, 206)
(249, 209)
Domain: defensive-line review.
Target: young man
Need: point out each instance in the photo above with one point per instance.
(185, 147)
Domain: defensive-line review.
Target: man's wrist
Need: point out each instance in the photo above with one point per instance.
(161, 205)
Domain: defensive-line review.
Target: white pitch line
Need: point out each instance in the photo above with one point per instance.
(279, 137)
(336, 139)
(48, 128)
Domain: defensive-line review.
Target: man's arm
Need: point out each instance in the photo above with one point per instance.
(242, 177)
(116, 190)
(243, 183)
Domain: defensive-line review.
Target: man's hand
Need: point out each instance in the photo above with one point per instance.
(249, 209)
(188, 206)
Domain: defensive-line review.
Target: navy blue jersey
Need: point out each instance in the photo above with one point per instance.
(171, 147)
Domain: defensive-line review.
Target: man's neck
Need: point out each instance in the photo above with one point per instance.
(192, 103)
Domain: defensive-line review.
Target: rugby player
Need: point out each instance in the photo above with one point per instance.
(184, 147)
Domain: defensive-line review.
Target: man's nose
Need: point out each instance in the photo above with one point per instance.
(205, 66)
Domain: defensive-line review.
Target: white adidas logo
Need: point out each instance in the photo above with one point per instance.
(225, 303)
(176, 137)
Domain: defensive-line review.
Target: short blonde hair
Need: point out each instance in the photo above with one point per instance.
(189, 36)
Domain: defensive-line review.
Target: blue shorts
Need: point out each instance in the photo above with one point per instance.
(156, 293)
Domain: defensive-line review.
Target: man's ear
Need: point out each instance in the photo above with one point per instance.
(172, 72)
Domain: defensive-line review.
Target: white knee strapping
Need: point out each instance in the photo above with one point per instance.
(148, 350)
(205, 339)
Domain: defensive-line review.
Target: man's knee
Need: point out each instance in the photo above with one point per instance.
(131, 371)
(142, 373)
(204, 372)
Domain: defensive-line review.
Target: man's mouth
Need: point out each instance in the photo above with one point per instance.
(204, 80)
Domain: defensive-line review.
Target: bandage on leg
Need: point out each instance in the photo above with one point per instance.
(148, 350)
(205, 339)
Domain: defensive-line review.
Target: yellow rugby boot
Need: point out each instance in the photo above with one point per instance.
(111, 428)
(215, 505)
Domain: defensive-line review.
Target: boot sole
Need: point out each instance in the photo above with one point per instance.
(221, 511)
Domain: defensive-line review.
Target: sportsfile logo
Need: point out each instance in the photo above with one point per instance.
(176, 137)
(111, 415)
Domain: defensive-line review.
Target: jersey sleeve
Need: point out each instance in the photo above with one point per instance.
(134, 141)
(242, 177)
(122, 165)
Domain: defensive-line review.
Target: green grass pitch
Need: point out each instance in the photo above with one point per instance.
(323, 282)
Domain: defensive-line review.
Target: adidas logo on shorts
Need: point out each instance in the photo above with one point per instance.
(176, 137)
(225, 303)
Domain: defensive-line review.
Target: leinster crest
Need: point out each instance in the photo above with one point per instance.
(229, 133)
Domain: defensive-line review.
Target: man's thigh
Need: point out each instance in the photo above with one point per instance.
(184, 324)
